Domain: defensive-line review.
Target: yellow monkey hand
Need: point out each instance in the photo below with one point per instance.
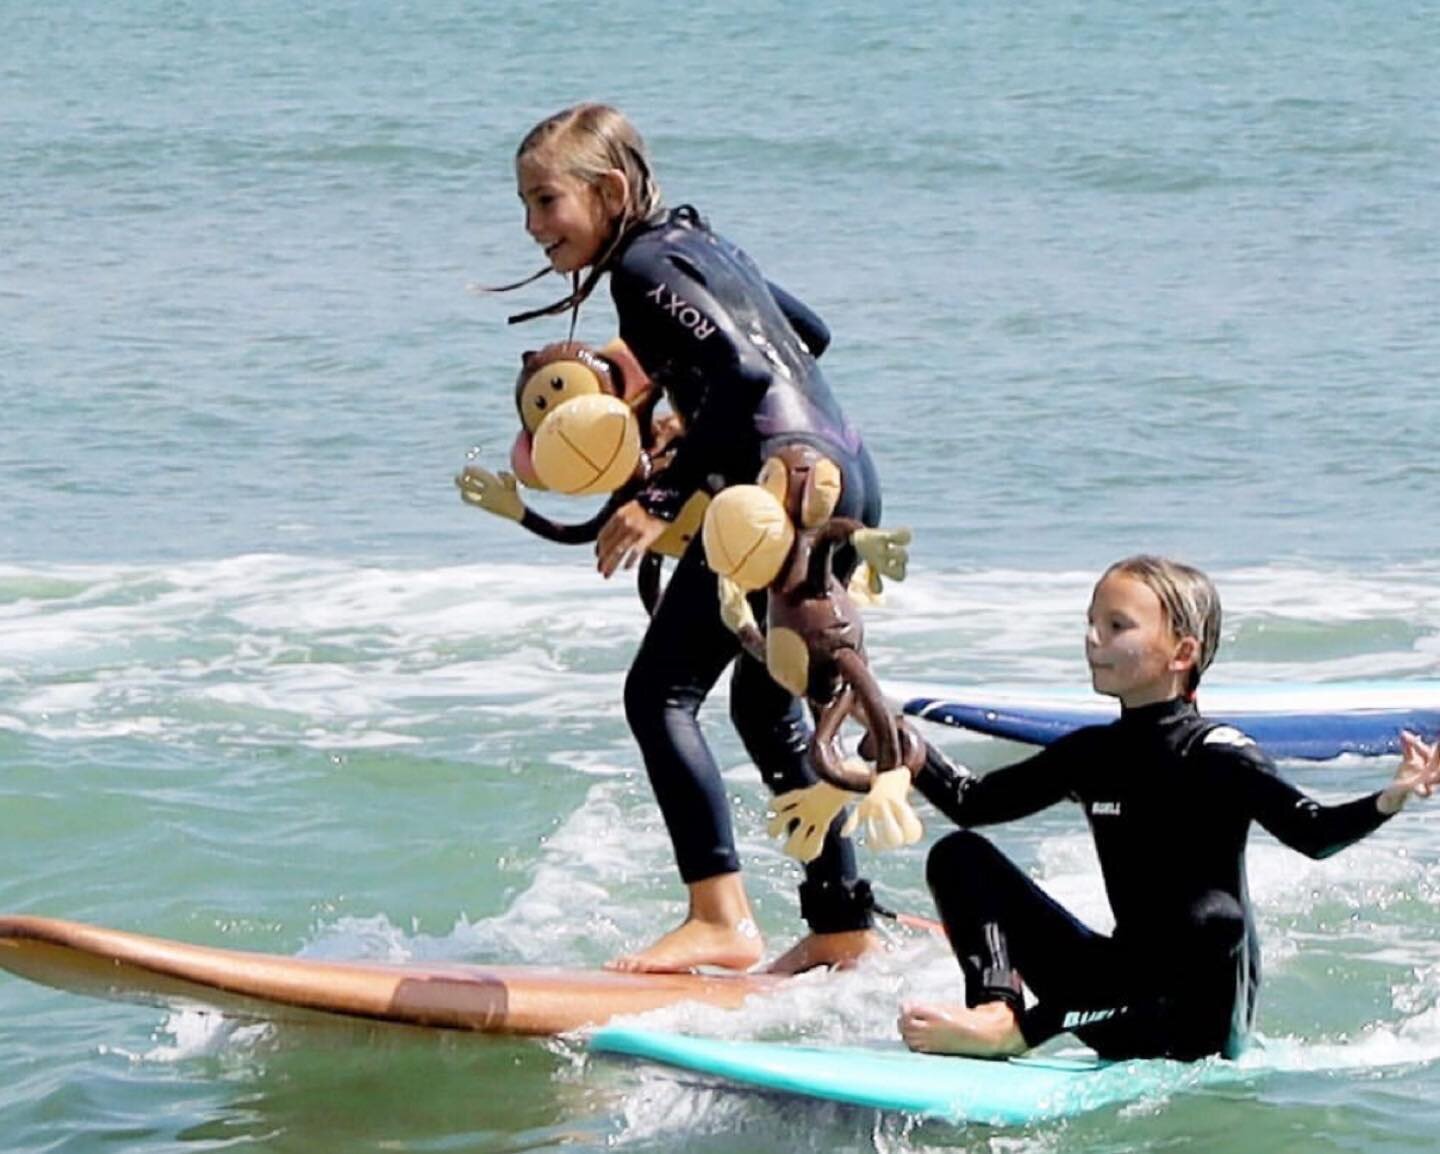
(495, 493)
(803, 817)
(885, 813)
(884, 551)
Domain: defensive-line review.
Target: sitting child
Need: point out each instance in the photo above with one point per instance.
(1169, 797)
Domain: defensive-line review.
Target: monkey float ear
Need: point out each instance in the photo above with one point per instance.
(822, 493)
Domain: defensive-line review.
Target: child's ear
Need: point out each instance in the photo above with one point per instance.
(1187, 654)
(614, 192)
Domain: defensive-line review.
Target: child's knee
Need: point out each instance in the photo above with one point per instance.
(640, 700)
(956, 856)
(648, 697)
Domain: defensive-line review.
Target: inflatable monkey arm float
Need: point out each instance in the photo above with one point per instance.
(779, 535)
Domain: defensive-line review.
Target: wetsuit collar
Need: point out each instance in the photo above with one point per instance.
(661, 217)
(1158, 713)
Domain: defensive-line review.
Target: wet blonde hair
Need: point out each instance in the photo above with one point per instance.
(1188, 599)
(586, 142)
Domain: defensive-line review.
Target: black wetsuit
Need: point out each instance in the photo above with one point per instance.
(736, 357)
(1169, 797)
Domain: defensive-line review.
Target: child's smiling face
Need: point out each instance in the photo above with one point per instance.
(563, 215)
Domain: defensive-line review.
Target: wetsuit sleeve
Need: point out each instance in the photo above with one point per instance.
(688, 341)
(807, 324)
(1005, 794)
(1297, 820)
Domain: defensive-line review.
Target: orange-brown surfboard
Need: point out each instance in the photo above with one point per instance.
(122, 966)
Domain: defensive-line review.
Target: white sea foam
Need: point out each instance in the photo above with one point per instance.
(329, 641)
(334, 656)
(1410, 1041)
(195, 1034)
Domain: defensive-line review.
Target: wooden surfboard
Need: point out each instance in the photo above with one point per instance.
(122, 966)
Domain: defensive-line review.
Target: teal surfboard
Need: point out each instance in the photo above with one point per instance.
(997, 1093)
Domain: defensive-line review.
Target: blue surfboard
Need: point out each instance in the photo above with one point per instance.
(1309, 734)
(998, 1093)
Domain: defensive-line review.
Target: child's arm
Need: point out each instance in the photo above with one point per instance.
(1418, 774)
(1005, 794)
(804, 320)
(1301, 822)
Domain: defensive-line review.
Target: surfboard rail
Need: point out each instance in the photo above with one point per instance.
(997, 1092)
(1303, 735)
(524, 1000)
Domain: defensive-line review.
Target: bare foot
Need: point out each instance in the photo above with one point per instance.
(732, 945)
(840, 951)
(989, 1030)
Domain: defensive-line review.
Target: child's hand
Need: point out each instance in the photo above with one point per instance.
(888, 817)
(665, 429)
(626, 536)
(495, 494)
(1418, 773)
(803, 817)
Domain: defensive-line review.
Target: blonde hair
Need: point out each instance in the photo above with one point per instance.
(1188, 599)
(586, 142)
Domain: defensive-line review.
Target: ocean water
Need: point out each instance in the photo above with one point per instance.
(1102, 278)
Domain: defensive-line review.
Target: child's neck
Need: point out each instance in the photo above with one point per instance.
(1152, 695)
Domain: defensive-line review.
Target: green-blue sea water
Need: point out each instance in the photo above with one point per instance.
(1103, 278)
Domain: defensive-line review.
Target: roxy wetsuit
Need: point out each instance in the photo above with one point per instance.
(735, 354)
(736, 358)
(1169, 797)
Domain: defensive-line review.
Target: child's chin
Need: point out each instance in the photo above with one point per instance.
(1102, 684)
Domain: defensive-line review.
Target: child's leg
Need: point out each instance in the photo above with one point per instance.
(1001, 924)
(1005, 929)
(683, 653)
(776, 734)
(1177, 996)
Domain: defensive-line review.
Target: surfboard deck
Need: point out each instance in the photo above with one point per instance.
(1288, 721)
(123, 966)
(1013, 1092)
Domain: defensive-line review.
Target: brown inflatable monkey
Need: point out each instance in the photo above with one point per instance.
(779, 534)
(549, 379)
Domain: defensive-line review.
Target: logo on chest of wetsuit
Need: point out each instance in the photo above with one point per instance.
(682, 310)
(1104, 809)
(1074, 1018)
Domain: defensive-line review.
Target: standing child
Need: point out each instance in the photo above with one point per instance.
(736, 358)
(1169, 797)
